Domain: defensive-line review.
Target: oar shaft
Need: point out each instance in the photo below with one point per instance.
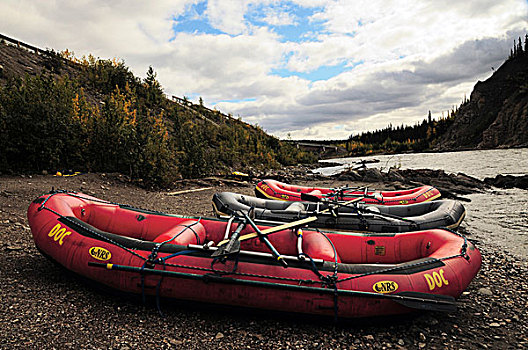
(431, 299)
(275, 229)
(266, 241)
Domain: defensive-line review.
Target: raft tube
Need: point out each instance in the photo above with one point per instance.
(167, 256)
(359, 218)
(273, 189)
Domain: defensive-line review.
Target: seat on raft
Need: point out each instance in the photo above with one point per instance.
(317, 246)
(296, 207)
(315, 193)
(187, 232)
(314, 245)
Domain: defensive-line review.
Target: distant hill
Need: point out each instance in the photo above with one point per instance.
(62, 112)
(496, 114)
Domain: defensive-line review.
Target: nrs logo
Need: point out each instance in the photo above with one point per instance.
(100, 253)
(385, 287)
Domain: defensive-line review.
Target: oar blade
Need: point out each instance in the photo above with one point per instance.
(428, 302)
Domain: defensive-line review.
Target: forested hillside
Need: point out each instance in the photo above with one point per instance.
(495, 115)
(87, 114)
(404, 138)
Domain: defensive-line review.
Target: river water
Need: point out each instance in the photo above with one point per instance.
(498, 217)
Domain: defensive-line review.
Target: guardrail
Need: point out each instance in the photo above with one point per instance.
(183, 102)
(19, 43)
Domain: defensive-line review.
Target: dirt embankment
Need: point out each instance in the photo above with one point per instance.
(44, 307)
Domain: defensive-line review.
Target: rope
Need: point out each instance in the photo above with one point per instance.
(300, 281)
(463, 249)
(183, 252)
(95, 233)
(278, 194)
(222, 261)
(158, 285)
(334, 249)
(154, 253)
(332, 280)
(342, 193)
(73, 194)
(161, 260)
(158, 298)
(463, 254)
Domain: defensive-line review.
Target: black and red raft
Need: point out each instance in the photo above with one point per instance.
(283, 268)
(273, 189)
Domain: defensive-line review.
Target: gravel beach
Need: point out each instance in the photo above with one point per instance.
(43, 307)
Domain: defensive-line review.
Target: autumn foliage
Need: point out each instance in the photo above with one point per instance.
(106, 119)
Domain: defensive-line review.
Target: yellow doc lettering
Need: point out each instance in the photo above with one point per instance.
(436, 279)
(58, 233)
(430, 281)
(62, 237)
(53, 230)
(446, 282)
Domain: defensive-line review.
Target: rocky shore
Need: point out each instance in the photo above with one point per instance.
(44, 307)
(508, 181)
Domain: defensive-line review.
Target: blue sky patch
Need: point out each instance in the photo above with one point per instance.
(194, 21)
(297, 31)
(234, 101)
(322, 73)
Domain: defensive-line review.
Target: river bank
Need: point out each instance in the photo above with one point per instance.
(44, 307)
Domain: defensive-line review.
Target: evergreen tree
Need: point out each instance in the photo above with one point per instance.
(150, 80)
(154, 92)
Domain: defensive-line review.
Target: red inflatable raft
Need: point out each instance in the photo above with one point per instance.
(273, 189)
(329, 273)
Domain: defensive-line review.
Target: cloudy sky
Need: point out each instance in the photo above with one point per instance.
(317, 69)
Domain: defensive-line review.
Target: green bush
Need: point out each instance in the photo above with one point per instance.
(108, 120)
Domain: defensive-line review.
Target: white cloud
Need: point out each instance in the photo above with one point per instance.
(117, 28)
(404, 57)
(228, 15)
(276, 17)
